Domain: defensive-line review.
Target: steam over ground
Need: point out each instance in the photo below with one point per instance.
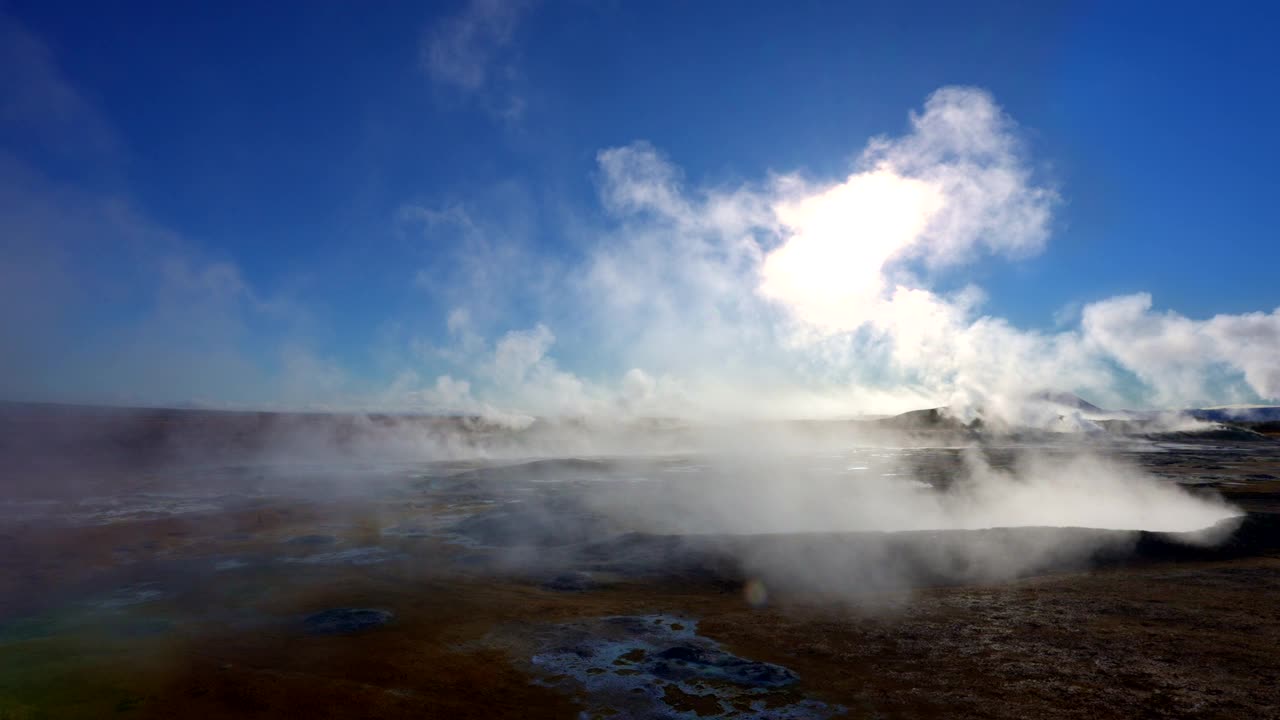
(722, 309)
(795, 297)
(871, 491)
(845, 508)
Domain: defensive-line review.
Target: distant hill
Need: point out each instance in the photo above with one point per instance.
(35, 438)
(1236, 423)
(931, 419)
(1066, 399)
(1248, 414)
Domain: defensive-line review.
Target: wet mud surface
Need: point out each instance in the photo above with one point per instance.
(506, 590)
(659, 666)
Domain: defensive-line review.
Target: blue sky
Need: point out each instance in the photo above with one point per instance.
(242, 205)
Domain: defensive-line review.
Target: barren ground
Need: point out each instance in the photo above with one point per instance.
(188, 594)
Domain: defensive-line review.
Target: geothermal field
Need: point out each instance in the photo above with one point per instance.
(166, 563)
(632, 360)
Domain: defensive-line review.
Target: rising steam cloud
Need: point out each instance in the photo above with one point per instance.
(793, 296)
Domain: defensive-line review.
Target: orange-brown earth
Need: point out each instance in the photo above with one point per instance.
(183, 610)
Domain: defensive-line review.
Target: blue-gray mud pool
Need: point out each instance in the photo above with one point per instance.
(659, 666)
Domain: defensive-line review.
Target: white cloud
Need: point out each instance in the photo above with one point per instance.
(955, 183)
(797, 297)
(448, 394)
(968, 148)
(831, 269)
(785, 297)
(1178, 356)
(469, 53)
(519, 352)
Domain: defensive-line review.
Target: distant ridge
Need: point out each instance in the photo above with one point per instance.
(134, 436)
(1067, 399)
(1249, 423)
(1241, 414)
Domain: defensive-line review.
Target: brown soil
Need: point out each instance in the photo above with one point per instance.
(1163, 635)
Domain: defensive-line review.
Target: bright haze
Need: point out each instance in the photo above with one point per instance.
(659, 210)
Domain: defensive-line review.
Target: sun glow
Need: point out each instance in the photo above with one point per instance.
(830, 271)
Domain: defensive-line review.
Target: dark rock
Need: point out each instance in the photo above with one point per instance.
(339, 621)
(540, 526)
(312, 540)
(143, 627)
(686, 653)
(690, 661)
(570, 582)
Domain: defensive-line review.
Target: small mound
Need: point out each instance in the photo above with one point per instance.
(342, 621)
(570, 582)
